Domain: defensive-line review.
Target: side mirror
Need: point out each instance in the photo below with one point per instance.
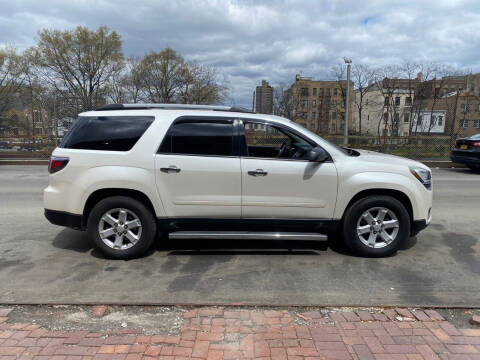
(317, 154)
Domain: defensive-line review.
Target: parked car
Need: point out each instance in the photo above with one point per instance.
(467, 151)
(126, 173)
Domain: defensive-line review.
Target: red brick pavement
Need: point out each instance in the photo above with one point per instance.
(218, 333)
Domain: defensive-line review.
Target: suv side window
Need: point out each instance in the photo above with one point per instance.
(109, 133)
(199, 137)
(268, 141)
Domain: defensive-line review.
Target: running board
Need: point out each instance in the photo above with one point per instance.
(248, 235)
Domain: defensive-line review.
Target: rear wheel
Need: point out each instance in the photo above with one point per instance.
(121, 227)
(375, 226)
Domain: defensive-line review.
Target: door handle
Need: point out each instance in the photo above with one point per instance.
(258, 172)
(170, 170)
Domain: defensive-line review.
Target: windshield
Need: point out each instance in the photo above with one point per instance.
(475, 137)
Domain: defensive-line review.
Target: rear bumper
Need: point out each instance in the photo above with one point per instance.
(465, 158)
(62, 218)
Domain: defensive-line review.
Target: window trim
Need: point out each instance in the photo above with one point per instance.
(206, 119)
(243, 150)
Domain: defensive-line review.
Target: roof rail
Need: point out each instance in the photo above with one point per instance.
(173, 107)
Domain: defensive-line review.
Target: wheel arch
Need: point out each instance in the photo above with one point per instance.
(104, 193)
(396, 194)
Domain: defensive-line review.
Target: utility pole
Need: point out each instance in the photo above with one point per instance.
(347, 105)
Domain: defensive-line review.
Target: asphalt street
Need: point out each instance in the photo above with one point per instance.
(43, 263)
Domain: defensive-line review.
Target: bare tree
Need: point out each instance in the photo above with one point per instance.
(201, 85)
(363, 78)
(284, 103)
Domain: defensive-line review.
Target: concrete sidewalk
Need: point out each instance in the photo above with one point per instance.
(236, 333)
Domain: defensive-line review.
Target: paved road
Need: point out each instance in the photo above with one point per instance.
(42, 263)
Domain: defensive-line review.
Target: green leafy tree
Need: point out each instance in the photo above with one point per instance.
(79, 63)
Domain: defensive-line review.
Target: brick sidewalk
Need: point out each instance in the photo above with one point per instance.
(218, 333)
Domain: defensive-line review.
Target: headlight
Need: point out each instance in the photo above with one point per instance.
(423, 175)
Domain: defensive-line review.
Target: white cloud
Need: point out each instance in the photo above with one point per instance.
(251, 40)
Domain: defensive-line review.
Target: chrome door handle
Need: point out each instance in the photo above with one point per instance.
(169, 170)
(258, 172)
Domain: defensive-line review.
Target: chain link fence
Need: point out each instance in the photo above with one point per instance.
(414, 147)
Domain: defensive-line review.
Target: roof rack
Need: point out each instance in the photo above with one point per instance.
(173, 107)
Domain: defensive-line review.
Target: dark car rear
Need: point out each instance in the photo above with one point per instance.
(467, 151)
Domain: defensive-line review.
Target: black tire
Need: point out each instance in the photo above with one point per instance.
(148, 227)
(355, 211)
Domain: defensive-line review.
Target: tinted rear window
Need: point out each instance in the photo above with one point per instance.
(199, 138)
(112, 133)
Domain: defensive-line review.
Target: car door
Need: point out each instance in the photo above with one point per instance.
(197, 175)
(285, 186)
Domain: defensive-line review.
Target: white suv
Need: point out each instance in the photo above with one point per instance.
(128, 173)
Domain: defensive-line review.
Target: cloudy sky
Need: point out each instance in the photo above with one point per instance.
(251, 40)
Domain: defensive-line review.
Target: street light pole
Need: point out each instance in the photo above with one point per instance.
(347, 105)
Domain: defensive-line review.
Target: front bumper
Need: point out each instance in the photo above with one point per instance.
(62, 218)
(417, 226)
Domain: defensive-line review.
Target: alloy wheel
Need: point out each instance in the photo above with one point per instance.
(377, 227)
(120, 228)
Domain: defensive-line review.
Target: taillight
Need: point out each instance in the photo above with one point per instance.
(57, 163)
(476, 144)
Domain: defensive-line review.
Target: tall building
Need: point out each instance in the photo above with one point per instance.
(263, 98)
(320, 105)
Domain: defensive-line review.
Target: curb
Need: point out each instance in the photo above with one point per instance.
(443, 164)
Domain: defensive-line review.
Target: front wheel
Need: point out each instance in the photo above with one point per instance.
(121, 227)
(375, 226)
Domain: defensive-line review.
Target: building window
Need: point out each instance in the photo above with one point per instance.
(314, 115)
(440, 121)
(314, 102)
(334, 115)
(320, 92)
(303, 115)
(397, 101)
(327, 92)
(342, 126)
(478, 108)
(476, 124)
(334, 103)
(406, 117)
(465, 108)
(304, 92)
(303, 104)
(314, 92)
(335, 92)
(408, 101)
(464, 123)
